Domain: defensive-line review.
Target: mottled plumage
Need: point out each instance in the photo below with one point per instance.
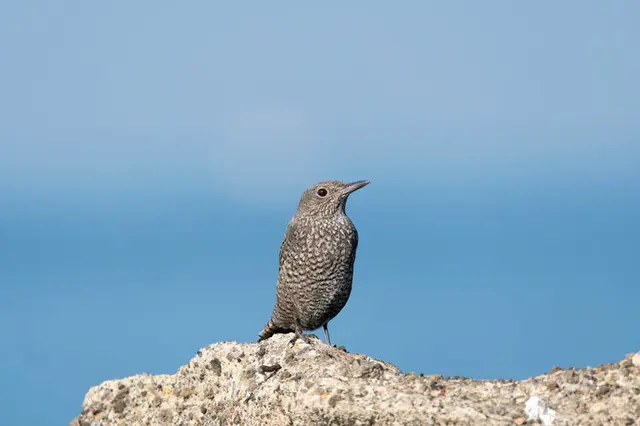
(316, 261)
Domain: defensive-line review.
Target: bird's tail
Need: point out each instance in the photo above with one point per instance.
(270, 329)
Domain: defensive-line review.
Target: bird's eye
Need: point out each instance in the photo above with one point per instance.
(322, 192)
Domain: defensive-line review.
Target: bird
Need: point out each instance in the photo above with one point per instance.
(317, 256)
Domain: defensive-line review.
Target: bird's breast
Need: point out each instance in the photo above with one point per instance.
(327, 251)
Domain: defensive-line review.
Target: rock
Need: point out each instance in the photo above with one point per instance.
(603, 390)
(538, 409)
(553, 386)
(276, 384)
(635, 359)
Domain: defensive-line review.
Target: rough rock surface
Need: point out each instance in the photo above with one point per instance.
(273, 383)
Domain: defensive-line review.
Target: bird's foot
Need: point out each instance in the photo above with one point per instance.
(300, 335)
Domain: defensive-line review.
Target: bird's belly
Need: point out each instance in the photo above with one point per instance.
(326, 301)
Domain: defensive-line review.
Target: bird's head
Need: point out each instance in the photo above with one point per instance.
(327, 198)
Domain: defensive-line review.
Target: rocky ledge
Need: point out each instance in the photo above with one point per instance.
(275, 383)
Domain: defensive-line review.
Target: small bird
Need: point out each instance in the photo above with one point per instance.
(316, 262)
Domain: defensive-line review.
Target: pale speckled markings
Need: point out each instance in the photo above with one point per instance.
(316, 260)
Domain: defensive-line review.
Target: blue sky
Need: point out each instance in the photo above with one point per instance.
(152, 153)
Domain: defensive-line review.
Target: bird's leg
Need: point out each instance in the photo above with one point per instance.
(325, 327)
(299, 335)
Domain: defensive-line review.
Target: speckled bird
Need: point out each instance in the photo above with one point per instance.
(316, 262)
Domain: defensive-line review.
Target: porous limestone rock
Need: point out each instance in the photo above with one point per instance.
(273, 383)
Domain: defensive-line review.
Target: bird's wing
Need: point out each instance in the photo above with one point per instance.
(286, 300)
(289, 242)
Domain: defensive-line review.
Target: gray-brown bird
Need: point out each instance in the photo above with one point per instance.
(316, 262)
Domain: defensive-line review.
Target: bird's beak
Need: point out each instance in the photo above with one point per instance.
(354, 186)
